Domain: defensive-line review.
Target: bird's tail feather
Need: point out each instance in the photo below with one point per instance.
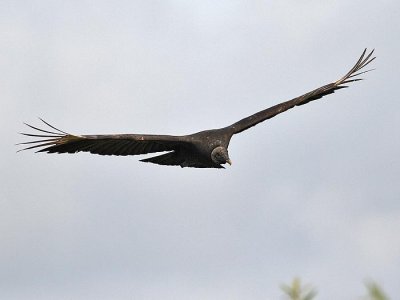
(168, 159)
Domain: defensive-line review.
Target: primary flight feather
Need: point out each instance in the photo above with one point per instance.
(204, 149)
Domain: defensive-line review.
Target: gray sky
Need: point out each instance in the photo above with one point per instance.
(313, 192)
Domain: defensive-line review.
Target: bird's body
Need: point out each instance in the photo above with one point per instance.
(204, 149)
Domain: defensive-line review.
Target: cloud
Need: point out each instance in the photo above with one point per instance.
(311, 193)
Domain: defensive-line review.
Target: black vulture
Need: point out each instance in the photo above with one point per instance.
(204, 149)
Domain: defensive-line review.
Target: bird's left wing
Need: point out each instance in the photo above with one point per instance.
(57, 141)
(318, 93)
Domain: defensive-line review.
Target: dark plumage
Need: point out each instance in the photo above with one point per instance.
(204, 149)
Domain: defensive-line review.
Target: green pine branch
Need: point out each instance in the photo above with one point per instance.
(297, 291)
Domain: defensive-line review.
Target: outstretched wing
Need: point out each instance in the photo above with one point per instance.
(313, 95)
(57, 141)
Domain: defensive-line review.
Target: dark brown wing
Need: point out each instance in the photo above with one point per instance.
(57, 141)
(313, 95)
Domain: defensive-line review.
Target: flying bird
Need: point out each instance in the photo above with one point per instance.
(204, 149)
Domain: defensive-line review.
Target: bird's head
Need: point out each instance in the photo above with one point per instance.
(220, 156)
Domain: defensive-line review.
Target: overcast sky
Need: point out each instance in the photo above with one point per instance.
(313, 192)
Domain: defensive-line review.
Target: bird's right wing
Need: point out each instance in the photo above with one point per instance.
(318, 93)
(57, 141)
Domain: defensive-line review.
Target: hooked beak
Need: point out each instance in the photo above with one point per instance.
(229, 162)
